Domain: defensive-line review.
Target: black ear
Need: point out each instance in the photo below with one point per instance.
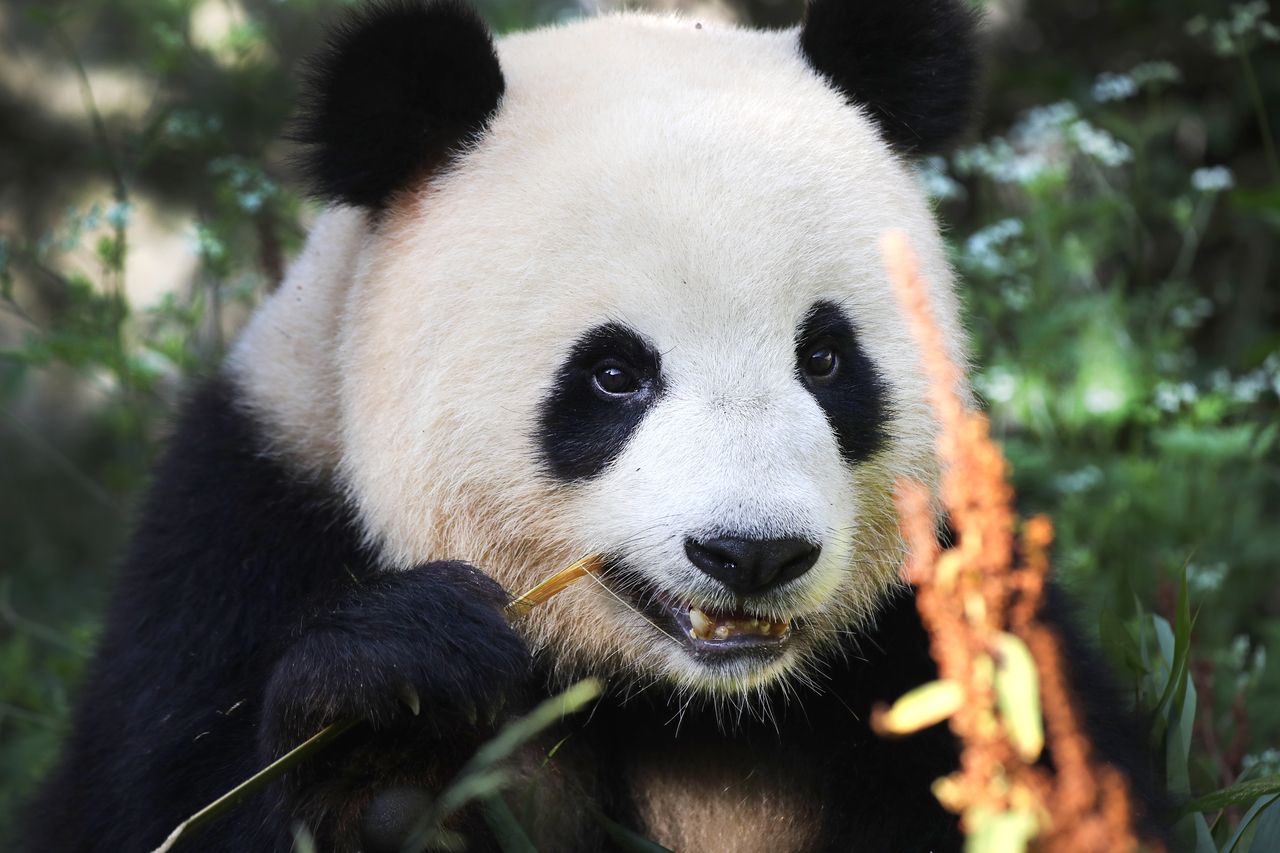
(911, 63)
(397, 87)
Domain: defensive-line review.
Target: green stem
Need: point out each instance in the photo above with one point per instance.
(1260, 109)
(253, 785)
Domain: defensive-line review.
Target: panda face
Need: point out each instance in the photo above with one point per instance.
(714, 460)
(643, 315)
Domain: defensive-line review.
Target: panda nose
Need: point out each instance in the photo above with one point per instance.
(752, 565)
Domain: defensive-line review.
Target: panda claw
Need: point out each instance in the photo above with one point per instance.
(410, 697)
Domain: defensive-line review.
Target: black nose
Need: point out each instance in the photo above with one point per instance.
(752, 565)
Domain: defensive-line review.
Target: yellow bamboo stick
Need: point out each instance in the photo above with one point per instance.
(554, 585)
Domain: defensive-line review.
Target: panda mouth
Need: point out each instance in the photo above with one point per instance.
(715, 631)
(711, 631)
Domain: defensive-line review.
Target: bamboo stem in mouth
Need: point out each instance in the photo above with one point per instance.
(554, 585)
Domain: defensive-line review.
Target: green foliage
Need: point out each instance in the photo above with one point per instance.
(1133, 378)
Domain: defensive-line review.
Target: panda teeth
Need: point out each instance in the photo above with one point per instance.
(704, 627)
(701, 624)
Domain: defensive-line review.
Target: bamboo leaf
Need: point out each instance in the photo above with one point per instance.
(1242, 793)
(1267, 838)
(1119, 644)
(253, 784)
(483, 776)
(1249, 816)
(628, 841)
(506, 829)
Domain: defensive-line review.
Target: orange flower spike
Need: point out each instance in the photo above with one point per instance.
(972, 592)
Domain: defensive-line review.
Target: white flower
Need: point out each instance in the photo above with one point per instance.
(1100, 400)
(1114, 87)
(998, 385)
(931, 176)
(1208, 578)
(1191, 316)
(203, 243)
(1078, 481)
(982, 249)
(1170, 396)
(1100, 145)
(1155, 71)
(1212, 179)
(118, 214)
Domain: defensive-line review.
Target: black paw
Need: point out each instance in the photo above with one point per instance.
(432, 642)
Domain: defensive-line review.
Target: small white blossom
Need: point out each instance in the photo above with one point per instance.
(1193, 315)
(1202, 579)
(118, 214)
(1155, 71)
(931, 176)
(982, 249)
(1169, 396)
(997, 384)
(204, 244)
(1100, 400)
(1267, 762)
(1114, 87)
(1212, 179)
(1100, 145)
(1075, 482)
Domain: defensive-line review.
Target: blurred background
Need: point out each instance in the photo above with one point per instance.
(1114, 215)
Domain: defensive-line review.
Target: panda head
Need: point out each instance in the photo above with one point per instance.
(615, 287)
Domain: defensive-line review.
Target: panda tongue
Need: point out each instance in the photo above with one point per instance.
(712, 626)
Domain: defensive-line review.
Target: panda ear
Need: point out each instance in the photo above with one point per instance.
(911, 63)
(398, 87)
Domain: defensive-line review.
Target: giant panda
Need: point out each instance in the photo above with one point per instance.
(612, 286)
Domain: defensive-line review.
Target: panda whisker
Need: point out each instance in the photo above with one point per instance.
(632, 607)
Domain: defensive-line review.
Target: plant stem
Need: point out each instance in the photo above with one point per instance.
(1260, 109)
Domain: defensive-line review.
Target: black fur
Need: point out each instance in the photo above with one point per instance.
(241, 576)
(911, 63)
(854, 397)
(872, 794)
(582, 429)
(399, 86)
(248, 615)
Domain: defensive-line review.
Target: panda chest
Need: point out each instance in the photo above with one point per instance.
(725, 799)
(712, 798)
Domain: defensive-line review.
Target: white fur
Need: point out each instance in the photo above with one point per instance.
(703, 186)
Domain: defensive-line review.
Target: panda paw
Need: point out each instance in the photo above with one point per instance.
(432, 642)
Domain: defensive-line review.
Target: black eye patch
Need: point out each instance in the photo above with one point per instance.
(600, 394)
(833, 367)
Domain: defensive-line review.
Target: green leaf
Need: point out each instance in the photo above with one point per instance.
(1267, 839)
(628, 841)
(507, 831)
(1194, 826)
(1119, 645)
(1248, 818)
(1179, 663)
(483, 776)
(515, 735)
(253, 784)
(1177, 781)
(1242, 793)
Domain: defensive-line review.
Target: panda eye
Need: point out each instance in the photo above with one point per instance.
(821, 362)
(614, 379)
